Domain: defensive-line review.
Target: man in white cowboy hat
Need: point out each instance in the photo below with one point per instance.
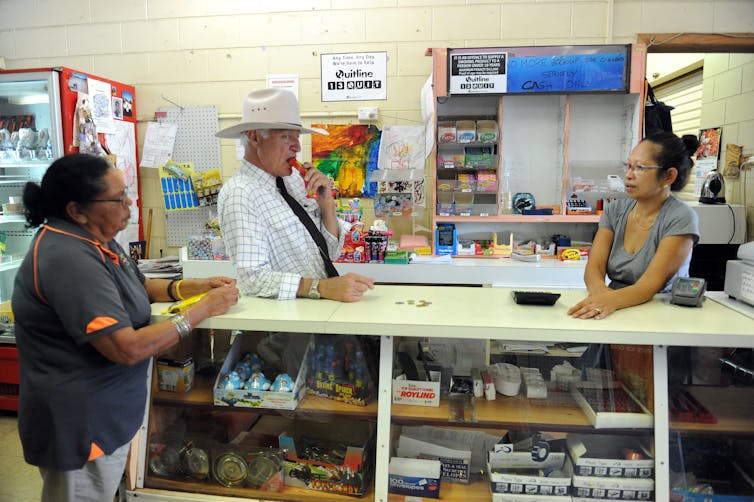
(265, 235)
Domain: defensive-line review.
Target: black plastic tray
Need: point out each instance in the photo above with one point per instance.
(535, 298)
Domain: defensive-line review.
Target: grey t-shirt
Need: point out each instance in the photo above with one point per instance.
(624, 268)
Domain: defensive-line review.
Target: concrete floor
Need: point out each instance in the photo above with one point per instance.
(19, 481)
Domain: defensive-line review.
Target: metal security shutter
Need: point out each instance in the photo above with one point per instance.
(685, 94)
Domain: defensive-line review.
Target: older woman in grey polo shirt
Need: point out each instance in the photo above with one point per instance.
(82, 329)
(643, 242)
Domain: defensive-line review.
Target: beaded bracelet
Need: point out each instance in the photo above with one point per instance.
(182, 325)
(178, 290)
(170, 290)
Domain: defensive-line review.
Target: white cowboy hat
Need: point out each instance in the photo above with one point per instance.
(268, 109)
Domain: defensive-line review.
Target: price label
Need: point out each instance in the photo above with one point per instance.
(444, 214)
(466, 190)
(464, 214)
(449, 165)
(484, 214)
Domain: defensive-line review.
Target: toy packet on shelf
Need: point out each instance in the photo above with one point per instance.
(341, 367)
(257, 397)
(331, 457)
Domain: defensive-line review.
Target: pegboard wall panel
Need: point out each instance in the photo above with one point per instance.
(180, 225)
(195, 142)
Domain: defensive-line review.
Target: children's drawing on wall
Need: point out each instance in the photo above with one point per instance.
(392, 204)
(347, 155)
(402, 147)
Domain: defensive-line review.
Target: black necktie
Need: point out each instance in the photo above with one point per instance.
(309, 224)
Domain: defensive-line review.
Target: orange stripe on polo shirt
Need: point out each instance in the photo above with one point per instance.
(95, 452)
(99, 323)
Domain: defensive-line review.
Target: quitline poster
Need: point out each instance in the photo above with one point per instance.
(354, 76)
(479, 73)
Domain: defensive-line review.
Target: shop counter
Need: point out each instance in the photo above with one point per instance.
(504, 272)
(394, 312)
(466, 312)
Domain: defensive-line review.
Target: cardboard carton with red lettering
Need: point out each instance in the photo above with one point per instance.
(415, 392)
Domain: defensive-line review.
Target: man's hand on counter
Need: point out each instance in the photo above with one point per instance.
(346, 288)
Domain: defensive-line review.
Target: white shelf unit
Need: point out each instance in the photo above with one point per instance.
(545, 140)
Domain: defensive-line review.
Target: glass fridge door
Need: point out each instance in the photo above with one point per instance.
(31, 138)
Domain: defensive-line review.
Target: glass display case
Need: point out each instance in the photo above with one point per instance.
(582, 410)
(711, 399)
(305, 431)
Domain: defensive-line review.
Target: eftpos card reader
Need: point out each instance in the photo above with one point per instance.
(688, 291)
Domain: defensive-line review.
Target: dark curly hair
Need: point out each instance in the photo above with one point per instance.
(672, 151)
(73, 178)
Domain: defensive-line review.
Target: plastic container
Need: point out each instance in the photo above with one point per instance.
(446, 132)
(451, 157)
(506, 197)
(466, 131)
(486, 131)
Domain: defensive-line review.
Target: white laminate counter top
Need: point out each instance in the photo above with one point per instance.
(547, 273)
(467, 312)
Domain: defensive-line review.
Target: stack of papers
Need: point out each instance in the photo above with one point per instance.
(168, 267)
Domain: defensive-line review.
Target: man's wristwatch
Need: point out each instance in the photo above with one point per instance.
(313, 291)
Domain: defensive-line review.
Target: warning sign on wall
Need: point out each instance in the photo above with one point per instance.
(483, 72)
(356, 76)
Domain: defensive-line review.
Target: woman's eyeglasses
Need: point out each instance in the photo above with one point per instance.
(638, 167)
(120, 200)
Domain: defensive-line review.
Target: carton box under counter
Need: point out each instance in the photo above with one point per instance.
(350, 474)
(609, 456)
(531, 481)
(175, 375)
(252, 398)
(510, 497)
(613, 488)
(414, 477)
(415, 392)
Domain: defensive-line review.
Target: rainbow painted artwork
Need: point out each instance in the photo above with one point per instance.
(347, 155)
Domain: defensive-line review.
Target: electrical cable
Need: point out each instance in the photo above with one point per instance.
(733, 217)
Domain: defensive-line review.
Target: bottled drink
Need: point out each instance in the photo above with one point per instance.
(506, 202)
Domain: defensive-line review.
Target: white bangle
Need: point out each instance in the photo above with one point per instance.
(182, 325)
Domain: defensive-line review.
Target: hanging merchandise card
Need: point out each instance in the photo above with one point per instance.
(178, 186)
(158, 144)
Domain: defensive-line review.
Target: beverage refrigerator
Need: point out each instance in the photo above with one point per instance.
(46, 113)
